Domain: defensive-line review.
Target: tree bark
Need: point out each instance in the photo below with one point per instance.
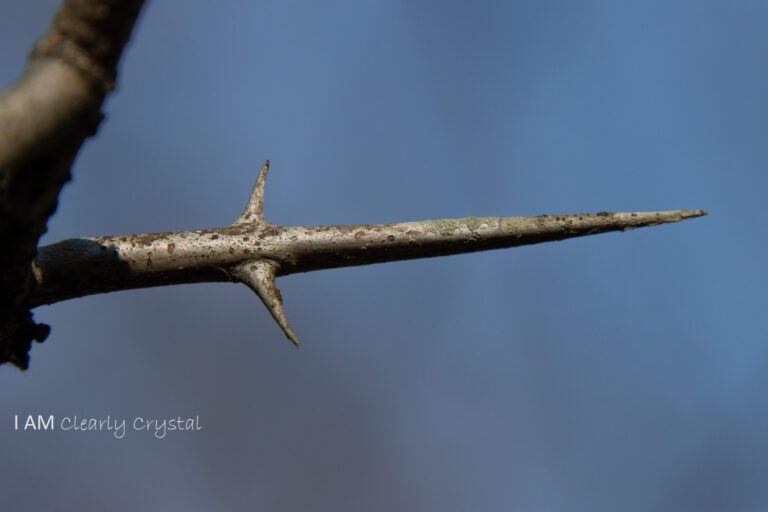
(44, 120)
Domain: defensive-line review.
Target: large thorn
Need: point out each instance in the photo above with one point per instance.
(259, 276)
(316, 248)
(86, 266)
(254, 210)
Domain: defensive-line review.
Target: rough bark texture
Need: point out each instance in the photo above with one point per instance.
(44, 120)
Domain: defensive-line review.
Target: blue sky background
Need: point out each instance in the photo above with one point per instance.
(619, 372)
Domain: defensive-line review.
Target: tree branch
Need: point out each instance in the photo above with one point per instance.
(44, 119)
(254, 252)
(56, 105)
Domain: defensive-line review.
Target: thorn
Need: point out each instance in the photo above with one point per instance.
(259, 276)
(544, 228)
(254, 209)
(632, 220)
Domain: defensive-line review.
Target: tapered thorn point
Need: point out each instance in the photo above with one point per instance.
(260, 277)
(254, 209)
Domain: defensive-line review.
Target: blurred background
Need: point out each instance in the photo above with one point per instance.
(619, 372)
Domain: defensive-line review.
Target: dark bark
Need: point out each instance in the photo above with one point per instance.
(44, 120)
